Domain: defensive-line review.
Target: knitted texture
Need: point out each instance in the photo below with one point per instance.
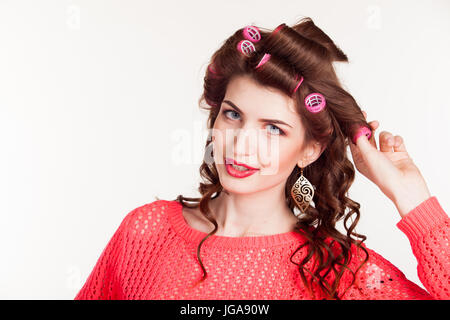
(153, 255)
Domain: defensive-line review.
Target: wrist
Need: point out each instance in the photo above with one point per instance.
(409, 200)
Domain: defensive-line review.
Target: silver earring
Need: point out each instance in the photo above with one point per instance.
(302, 192)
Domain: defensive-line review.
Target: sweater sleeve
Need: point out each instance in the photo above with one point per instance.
(427, 228)
(101, 283)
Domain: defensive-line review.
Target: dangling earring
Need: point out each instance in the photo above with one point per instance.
(208, 156)
(302, 192)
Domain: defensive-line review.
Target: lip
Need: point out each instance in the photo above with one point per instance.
(228, 160)
(236, 173)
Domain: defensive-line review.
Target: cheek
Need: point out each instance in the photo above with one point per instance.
(279, 158)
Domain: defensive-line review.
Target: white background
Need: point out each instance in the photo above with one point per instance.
(95, 95)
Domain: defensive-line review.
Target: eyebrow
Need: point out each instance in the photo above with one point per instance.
(262, 120)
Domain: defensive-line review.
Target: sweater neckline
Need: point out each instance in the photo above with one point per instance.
(192, 235)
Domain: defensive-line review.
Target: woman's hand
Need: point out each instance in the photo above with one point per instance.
(390, 168)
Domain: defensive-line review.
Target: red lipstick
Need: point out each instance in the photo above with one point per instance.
(236, 172)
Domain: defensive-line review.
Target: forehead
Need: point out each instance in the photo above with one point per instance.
(261, 101)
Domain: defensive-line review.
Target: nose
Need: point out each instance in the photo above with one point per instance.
(245, 142)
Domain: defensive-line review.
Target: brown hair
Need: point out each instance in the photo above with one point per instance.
(306, 50)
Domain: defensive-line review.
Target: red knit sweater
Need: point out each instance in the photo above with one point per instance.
(152, 255)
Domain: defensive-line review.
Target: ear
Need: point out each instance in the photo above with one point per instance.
(310, 154)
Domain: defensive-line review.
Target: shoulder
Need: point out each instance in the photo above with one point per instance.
(195, 219)
(364, 259)
(149, 218)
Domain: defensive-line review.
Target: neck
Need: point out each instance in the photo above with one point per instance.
(261, 213)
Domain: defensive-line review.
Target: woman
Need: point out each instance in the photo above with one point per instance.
(276, 177)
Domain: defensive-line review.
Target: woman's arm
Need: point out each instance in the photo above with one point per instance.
(427, 228)
(101, 283)
(423, 220)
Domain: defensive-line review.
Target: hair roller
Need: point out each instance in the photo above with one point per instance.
(298, 83)
(264, 59)
(252, 33)
(315, 102)
(363, 130)
(246, 47)
(213, 73)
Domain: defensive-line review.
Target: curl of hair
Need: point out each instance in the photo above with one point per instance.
(306, 50)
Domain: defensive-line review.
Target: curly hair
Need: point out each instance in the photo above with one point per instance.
(306, 50)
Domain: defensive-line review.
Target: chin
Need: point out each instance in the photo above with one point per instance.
(236, 190)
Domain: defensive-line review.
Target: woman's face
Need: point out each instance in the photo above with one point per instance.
(242, 132)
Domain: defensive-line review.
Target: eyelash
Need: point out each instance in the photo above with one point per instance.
(224, 112)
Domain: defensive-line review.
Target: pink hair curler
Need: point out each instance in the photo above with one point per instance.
(315, 102)
(213, 73)
(298, 84)
(252, 33)
(363, 130)
(246, 47)
(211, 69)
(281, 26)
(264, 59)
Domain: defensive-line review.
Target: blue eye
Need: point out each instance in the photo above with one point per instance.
(279, 132)
(226, 111)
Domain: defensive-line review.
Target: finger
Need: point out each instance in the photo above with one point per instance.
(386, 141)
(373, 141)
(365, 146)
(374, 124)
(399, 144)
